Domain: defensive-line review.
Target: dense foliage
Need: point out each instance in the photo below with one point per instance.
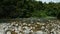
(28, 8)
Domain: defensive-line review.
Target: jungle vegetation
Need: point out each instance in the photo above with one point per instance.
(28, 8)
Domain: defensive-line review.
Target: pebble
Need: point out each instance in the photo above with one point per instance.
(55, 28)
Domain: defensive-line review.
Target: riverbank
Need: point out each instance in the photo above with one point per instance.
(19, 27)
(28, 19)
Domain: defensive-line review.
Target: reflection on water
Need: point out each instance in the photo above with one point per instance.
(25, 27)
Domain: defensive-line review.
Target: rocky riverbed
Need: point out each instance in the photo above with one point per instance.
(18, 27)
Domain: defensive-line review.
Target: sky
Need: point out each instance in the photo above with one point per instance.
(49, 1)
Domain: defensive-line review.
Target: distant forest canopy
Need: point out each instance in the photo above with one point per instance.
(28, 8)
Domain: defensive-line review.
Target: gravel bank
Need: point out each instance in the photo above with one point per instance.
(18, 27)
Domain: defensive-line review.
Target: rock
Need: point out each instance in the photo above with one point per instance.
(39, 32)
(30, 28)
(8, 32)
(13, 32)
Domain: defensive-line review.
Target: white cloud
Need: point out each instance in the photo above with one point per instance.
(49, 0)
